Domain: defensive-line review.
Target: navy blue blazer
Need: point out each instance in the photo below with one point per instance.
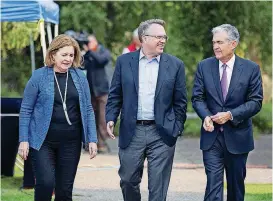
(244, 100)
(170, 102)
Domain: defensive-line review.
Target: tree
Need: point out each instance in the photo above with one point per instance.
(189, 24)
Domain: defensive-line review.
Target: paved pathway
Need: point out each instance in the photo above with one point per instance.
(98, 179)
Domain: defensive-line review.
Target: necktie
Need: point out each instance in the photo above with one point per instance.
(224, 81)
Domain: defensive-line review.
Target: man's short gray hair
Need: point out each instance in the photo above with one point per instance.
(232, 31)
(146, 24)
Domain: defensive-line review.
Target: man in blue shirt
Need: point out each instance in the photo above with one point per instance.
(148, 90)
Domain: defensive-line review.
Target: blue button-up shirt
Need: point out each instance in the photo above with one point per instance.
(148, 72)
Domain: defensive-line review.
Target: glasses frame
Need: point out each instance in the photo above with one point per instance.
(165, 37)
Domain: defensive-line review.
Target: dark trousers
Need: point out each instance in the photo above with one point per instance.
(146, 143)
(28, 178)
(55, 165)
(99, 104)
(216, 159)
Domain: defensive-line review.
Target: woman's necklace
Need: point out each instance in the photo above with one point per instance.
(63, 99)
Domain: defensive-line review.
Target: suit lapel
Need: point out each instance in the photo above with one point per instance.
(236, 73)
(216, 79)
(162, 72)
(134, 63)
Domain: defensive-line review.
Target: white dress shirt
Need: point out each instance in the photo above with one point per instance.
(229, 69)
(148, 72)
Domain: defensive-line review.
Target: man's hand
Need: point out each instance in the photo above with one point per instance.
(221, 117)
(208, 124)
(93, 149)
(110, 129)
(23, 150)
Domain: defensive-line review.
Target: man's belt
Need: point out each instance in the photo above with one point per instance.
(145, 122)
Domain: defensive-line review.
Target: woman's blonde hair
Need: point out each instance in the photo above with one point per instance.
(61, 41)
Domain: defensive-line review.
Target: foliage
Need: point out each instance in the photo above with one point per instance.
(15, 73)
(188, 25)
(192, 128)
(16, 36)
(263, 120)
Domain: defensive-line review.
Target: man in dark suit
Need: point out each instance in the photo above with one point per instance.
(149, 88)
(227, 92)
(98, 65)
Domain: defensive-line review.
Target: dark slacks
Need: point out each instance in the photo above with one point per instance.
(28, 178)
(55, 165)
(146, 143)
(216, 160)
(99, 104)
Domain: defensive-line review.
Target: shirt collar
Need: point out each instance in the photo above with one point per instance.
(142, 55)
(230, 63)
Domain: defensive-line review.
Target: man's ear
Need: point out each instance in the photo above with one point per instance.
(234, 44)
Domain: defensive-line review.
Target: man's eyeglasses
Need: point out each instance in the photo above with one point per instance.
(159, 37)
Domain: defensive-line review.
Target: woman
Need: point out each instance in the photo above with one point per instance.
(56, 115)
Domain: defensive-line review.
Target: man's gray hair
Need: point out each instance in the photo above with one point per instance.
(232, 31)
(146, 24)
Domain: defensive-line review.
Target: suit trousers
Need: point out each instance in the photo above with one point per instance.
(146, 143)
(99, 104)
(218, 158)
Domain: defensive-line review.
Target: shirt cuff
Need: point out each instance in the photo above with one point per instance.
(230, 115)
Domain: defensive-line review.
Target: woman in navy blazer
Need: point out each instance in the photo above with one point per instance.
(55, 117)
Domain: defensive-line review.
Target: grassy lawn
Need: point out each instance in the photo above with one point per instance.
(258, 192)
(10, 190)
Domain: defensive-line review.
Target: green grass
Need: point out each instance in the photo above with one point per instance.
(258, 192)
(10, 188)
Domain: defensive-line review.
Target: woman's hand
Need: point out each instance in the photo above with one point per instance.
(23, 150)
(93, 149)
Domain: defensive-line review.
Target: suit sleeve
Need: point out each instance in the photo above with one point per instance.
(180, 98)
(254, 99)
(114, 102)
(199, 95)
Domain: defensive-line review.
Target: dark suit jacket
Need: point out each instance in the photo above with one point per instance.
(99, 70)
(170, 103)
(244, 100)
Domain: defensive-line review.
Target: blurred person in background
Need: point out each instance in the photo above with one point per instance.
(134, 45)
(56, 114)
(98, 64)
